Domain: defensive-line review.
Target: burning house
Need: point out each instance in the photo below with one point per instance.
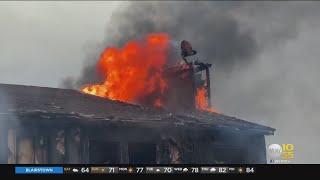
(172, 122)
(48, 125)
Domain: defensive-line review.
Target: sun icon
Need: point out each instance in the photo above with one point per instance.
(240, 170)
(130, 170)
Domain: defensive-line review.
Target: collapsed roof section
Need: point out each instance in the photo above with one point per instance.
(46, 102)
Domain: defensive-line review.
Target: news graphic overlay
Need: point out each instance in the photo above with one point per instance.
(105, 170)
(38, 170)
(281, 153)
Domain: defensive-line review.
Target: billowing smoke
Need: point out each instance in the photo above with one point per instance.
(264, 55)
(216, 35)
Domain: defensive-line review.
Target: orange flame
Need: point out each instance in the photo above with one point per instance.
(134, 73)
(201, 101)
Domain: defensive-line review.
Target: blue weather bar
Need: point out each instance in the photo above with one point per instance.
(39, 170)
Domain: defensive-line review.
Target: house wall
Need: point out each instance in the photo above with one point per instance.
(54, 145)
(173, 145)
(217, 147)
(257, 150)
(3, 145)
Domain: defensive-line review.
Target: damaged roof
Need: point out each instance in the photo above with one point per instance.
(24, 100)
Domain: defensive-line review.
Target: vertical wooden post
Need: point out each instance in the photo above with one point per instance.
(40, 145)
(67, 144)
(194, 87)
(56, 151)
(158, 153)
(208, 87)
(52, 147)
(124, 154)
(84, 146)
(12, 153)
(40, 149)
(72, 145)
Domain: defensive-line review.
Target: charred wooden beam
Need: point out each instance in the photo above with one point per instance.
(158, 153)
(201, 66)
(56, 147)
(41, 151)
(72, 145)
(84, 143)
(208, 87)
(124, 155)
(12, 159)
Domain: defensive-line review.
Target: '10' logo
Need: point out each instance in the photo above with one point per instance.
(287, 151)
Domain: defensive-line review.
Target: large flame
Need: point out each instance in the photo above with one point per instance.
(134, 73)
(202, 101)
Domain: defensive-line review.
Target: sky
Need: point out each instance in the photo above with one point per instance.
(264, 54)
(43, 42)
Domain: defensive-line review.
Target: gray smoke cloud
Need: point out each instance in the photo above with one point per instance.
(218, 36)
(264, 57)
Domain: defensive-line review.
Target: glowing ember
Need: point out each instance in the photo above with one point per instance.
(134, 73)
(201, 100)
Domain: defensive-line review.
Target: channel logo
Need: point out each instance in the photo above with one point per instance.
(281, 153)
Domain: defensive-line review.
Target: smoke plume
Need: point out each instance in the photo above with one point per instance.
(221, 41)
(265, 65)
